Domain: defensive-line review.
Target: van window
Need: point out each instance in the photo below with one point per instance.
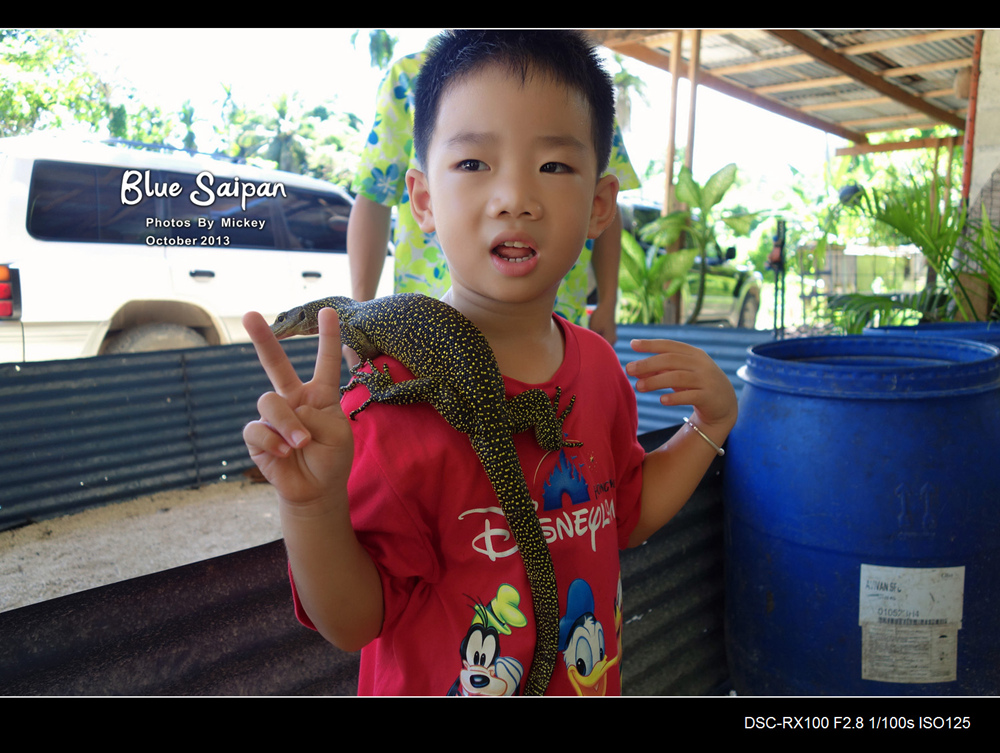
(80, 202)
(316, 222)
(74, 202)
(254, 228)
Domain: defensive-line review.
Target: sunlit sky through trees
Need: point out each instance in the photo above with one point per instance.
(169, 66)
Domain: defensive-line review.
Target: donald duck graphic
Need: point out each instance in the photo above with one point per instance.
(581, 639)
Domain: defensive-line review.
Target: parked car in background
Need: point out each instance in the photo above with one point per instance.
(111, 249)
(732, 292)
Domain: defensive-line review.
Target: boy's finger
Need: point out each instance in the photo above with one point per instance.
(328, 357)
(278, 415)
(271, 355)
(661, 362)
(260, 438)
(656, 346)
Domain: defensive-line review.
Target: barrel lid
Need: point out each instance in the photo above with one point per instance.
(873, 367)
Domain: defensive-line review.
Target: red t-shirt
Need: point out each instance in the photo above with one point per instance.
(458, 611)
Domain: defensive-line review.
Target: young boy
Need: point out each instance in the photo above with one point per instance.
(512, 130)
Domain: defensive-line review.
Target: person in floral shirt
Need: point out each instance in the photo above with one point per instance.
(420, 267)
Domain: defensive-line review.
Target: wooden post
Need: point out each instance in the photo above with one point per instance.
(978, 289)
(672, 306)
(693, 78)
(970, 117)
(693, 65)
(675, 65)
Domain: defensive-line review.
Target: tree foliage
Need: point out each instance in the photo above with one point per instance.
(290, 135)
(962, 250)
(648, 279)
(816, 217)
(47, 83)
(381, 46)
(626, 84)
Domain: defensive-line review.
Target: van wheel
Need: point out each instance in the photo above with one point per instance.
(152, 337)
(748, 312)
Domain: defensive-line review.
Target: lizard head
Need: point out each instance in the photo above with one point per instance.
(291, 322)
(304, 320)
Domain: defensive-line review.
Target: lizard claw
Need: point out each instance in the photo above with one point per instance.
(562, 416)
(377, 381)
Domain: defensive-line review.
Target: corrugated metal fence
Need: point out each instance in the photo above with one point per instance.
(92, 431)
(97, 430)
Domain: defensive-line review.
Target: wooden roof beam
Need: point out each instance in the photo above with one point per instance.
(895, 146)
(912, 39)
(892, 122)
(822, 83)
(940, 65)
(838, 62)
(804, 84)
(845, 104)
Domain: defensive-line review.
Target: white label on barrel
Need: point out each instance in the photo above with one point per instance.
(910, 618)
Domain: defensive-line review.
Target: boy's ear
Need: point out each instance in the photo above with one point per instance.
(605, 206)
(420, 199)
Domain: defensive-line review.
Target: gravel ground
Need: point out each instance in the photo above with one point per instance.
(126, 540)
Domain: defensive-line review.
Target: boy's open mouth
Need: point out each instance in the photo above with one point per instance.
(514, 251)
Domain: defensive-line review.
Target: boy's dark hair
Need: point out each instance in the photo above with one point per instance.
(567, 56)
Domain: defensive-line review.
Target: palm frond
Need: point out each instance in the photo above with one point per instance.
(853, 312)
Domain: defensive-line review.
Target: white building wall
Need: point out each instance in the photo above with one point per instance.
(986, 149)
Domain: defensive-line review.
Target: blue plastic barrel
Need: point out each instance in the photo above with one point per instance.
(862, 519)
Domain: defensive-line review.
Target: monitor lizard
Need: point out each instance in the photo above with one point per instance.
(455, 370)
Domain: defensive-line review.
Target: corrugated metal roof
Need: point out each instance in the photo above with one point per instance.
(851, 82)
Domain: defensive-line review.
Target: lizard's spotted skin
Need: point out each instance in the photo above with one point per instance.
(455, 370)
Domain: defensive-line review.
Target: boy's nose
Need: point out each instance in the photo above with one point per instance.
(514, 198)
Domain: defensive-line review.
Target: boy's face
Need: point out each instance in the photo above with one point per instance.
(510, 185)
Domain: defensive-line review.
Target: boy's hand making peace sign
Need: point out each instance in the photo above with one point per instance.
(302, 442)
(303, 445)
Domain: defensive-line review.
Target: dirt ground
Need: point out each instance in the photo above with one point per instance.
(128, 539)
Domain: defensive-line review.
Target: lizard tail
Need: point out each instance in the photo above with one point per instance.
(507, 478)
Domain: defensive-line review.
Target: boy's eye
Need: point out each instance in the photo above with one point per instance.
(555, 167)
(472, 165)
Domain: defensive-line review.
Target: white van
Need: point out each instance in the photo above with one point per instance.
(111, 249)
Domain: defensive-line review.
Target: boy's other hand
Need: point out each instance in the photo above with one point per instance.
(695, 379)
(302, 443)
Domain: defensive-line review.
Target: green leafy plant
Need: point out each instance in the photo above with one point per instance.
(698, 223)
(648, 279)
(963, 255)
(853, 312)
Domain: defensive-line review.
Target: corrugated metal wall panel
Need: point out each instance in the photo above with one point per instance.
(97, 430)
